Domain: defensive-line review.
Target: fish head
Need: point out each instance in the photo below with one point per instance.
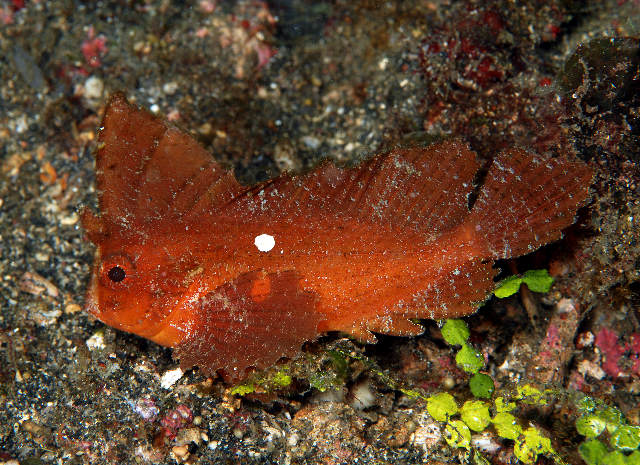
(139, 285)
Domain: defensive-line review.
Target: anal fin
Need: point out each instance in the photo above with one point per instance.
(458, 292)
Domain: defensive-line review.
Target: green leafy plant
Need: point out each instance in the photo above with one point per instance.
(323, 371)
(326, 379)
(609, 439)
(475, 415)
(456, 333)
(442, 406)
(507, 426)
(457, 434)
(269, 381)
(469, 359)
(481, 386)
(600, 422)
(532, 443)
(536, 280)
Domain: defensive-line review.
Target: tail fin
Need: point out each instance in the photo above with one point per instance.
(527, 201)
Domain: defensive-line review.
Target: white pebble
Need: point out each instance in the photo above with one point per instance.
(93, 88)
(170, 88)
(170, 377)
(96, 342)
(311, 142)
(485, 442)
(362, 396)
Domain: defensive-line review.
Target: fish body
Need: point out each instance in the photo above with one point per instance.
(357, 250)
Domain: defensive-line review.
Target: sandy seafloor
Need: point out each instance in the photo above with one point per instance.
(268, 86)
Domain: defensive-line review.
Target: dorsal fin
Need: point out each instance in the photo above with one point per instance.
(151, 173)
(526, 202)
(423, 188)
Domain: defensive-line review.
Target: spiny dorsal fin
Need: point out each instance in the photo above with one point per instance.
(151, 173)
(422, 188)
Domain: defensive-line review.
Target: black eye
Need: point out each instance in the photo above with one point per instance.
(116, 274)
(117, 271)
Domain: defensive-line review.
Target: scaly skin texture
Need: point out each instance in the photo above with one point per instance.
(355, 280)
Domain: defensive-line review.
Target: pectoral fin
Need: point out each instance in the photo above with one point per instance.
(251, 322)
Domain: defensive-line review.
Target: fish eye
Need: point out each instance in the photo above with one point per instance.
(117, 274)
(116, 270)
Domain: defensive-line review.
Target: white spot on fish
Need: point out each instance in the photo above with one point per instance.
(264, 242)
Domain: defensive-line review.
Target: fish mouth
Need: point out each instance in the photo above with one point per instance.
(91, 298)
(110, 316)
(143, 320)
(141, 325)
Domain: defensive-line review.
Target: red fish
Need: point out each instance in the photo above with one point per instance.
(234, 276)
